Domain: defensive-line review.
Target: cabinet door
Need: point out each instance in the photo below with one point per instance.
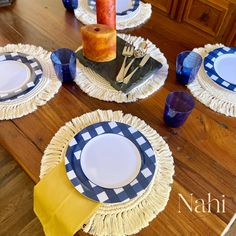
(209, 16)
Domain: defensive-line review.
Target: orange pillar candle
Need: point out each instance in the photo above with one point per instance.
(99, 42)
(106, 12)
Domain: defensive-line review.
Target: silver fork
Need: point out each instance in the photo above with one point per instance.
(138, 53)
(128, 51)
(141, 64)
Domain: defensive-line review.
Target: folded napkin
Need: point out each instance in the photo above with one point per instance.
(61, 209)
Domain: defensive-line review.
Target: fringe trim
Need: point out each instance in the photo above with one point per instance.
(42, 93)
(209, 93)
(96, 86)
(120, 218)
(87, 17)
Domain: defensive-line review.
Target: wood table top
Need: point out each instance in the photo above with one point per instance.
(204, 148)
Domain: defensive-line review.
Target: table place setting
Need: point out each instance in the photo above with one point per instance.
(215, 83)
(83, 164)
(28, 80)
(107, 172)
(115, 167)
(129, 14)
(115, 67)
(99, 81)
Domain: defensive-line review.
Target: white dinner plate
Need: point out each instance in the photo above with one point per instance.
(110, 162)
(220, 66)
(19, 74)
(225, 67)
(123, 8)
(14, 75)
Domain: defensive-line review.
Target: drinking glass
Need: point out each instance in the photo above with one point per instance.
(177, 108)
(187, 66)
(64, 62)
(70, 5)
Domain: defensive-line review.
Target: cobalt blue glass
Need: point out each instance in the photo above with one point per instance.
(64, 62)
(70, 5)
(187, 66)
(177, 108)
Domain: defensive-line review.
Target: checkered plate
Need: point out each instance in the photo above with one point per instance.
(98, 193)
(36, 72)
(132, 9)
(211, 69)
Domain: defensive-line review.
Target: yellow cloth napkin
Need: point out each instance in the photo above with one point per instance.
(61, 209)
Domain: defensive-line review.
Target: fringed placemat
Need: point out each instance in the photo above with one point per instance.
(208, 92)
(96, 86)
(46, 88)
(84, 14)
(120, 218)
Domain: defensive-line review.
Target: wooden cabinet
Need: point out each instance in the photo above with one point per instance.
(206, 16)
(214, 18)
(162, 5)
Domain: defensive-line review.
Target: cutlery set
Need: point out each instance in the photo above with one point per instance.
(130, 51)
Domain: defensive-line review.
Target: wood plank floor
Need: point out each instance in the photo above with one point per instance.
(16, 200)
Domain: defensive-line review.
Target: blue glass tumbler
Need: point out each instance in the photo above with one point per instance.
(70, 5)
(177, 108)
(187, 66)
(64, 62)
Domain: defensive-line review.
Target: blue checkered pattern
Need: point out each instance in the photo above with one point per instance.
(95, 192)
(210, 70)
(135, 5)
(35, 69)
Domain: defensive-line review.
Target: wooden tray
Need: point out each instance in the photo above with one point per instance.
(109, 70)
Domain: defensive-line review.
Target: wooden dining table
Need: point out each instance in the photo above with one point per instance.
(204, 148)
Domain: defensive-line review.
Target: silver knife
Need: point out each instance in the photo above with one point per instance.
(141, 64)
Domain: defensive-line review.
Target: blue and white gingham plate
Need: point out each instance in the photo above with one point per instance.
(95, 192)
(133, 8)
(210, 69)
(35, 70)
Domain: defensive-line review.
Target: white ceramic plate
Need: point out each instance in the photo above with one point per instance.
(14, 75)
(110, 161)
(225, 67)
(220, 66)
(124, 8)
(19, 74)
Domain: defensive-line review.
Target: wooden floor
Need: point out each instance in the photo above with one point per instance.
(16, 200)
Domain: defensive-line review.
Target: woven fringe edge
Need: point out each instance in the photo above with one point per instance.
(30, 104)
(122, 218)
(208, 99)
(211, 95)
(95, 86)
(83, 14)
(12, 111)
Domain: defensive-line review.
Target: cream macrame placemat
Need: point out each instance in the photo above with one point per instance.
(121, 218)
(96, 86)
(84, 14)
(208, 92)
(43, 91)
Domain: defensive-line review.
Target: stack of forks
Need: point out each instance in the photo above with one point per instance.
(129, 51)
